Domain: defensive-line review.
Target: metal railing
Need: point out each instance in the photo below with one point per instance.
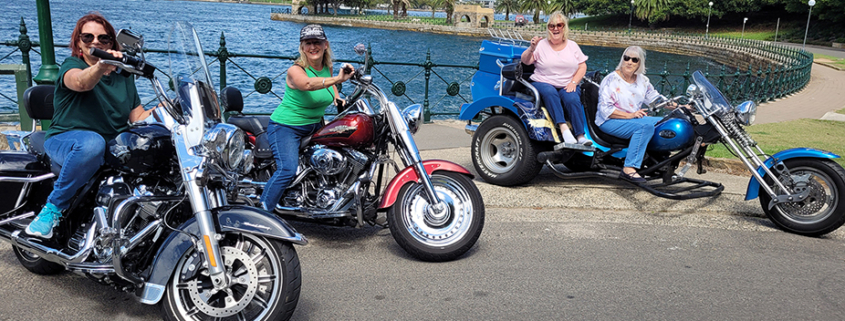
(787, 70)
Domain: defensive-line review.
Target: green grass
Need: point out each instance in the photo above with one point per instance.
(755, 35)
(822, 134)
(839, 62)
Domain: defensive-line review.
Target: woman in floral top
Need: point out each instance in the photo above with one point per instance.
(621, 95)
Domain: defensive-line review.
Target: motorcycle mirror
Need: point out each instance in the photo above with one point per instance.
(130, 41)
(360, 49)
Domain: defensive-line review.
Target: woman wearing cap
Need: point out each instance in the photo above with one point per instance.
(92, 104)
(559, 67)
(309, 89)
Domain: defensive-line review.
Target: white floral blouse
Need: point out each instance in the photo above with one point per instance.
(616, 93)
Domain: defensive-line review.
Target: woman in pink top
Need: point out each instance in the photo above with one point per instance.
(559, 67)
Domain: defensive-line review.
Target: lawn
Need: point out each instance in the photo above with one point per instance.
(774, 137)
(836, 61)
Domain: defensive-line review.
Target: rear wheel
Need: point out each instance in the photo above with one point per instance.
(824, 208)
(36, 264)
(264, 282)
(432, 234)
(503, 154)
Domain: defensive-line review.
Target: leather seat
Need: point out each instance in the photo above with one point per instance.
(38, 101)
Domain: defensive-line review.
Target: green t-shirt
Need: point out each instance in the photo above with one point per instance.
(304, 107)
(103, 110)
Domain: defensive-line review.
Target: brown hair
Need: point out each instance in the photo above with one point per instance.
(77, 32)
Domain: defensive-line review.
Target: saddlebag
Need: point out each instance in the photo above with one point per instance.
(17, 165)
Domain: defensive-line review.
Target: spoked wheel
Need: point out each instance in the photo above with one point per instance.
(503, 154)
(36, 264)
(824, 208)
(264, 282)
(437, 234)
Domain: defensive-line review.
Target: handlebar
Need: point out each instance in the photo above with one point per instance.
(128, 63)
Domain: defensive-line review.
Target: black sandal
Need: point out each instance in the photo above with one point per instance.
(633, 179)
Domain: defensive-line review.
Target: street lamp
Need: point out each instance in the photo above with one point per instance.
(631, 16)
(811, 3)
(743, 27)
(707, 33)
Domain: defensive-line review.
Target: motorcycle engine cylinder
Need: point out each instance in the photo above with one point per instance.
(111, 189)
(327, 161)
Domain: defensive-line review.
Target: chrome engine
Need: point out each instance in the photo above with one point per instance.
(324, 178)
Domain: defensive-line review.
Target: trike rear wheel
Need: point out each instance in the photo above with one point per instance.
(502, 152)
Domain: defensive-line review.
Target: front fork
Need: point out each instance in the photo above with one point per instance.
(744, 151)
(412, 157)
(192, 172)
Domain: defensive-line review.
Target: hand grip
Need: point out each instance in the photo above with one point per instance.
(102, 54)
(347, 69)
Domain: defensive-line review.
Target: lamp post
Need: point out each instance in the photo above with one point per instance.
(811, 3)
(743, 27)
(707, 32)
(631, 16)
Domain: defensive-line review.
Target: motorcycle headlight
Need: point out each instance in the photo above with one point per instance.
(248, 160)
(413, 116)
(746, 112)
(226, 142)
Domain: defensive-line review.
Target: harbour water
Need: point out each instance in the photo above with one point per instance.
(248, 29)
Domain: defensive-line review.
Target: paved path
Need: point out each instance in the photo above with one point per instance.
(822, 95)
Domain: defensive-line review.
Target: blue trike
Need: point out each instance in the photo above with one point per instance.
(514, 137)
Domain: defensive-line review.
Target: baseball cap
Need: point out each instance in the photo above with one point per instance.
(312, 32)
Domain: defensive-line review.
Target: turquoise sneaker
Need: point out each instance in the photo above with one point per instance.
(43, 224)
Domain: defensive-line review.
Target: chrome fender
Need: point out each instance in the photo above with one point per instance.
(754, 186)
(408, 175)
(235, 218)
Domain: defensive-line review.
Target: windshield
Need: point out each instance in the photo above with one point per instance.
(713, 99)
(189, 73)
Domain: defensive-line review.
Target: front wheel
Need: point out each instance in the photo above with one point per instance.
(824, 208)
(432, 234)
(264, 282)
(502, 152)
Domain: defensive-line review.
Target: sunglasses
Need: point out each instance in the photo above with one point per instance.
(314, 43)
(634, 59)
(557, 26)
(89, 38)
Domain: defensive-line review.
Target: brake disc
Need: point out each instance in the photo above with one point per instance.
(226, 302)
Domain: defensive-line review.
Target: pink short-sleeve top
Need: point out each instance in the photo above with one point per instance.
(556, 67)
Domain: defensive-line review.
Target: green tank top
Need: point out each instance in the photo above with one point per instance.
(103, 110)
(300, 107)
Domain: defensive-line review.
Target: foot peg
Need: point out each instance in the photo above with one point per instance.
(575, 147)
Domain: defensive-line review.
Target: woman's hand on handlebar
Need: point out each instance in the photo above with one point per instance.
(346, 72)
(105, 68)
(638, 114)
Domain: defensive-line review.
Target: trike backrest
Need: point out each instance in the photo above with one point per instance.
(232, 100)
(510, 72)
(590, 100)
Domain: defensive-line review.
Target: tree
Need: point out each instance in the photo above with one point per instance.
(652, 11)
(567, 7)
(507, 6)
(536, 6)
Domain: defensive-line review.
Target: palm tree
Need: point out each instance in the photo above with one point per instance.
(449, 6)
(652, 10)
(567, 7)
(507, 6)
(536, 6)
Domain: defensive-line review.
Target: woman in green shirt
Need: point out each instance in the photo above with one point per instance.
(92, 104)
(309, 89)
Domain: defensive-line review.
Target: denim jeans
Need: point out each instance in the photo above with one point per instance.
(284, 141)
(639, 130)
(571, 102)
(80, 152)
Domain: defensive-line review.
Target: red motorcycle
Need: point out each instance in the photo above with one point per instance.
(433, 208)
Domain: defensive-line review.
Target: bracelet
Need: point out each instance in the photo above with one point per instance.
(324, 82)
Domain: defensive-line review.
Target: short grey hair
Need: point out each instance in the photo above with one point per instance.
(640, 52)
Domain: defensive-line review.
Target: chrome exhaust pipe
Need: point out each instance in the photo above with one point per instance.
(48, 253)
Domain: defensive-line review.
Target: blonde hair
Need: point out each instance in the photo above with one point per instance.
(640, 52)
(303, 60)
(553, 19)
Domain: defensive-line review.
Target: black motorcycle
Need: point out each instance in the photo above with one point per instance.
(155, 219)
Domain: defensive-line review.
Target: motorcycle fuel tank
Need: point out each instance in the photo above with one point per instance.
(351, 130)
(671, 134)
(141, 150)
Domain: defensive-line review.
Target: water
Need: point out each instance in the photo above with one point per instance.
(249, 30)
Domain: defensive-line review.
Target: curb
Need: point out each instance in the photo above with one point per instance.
(726, 165)
(830, 65)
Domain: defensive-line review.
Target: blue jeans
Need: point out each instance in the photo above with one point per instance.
(639, 130)
(571, 102)
(80, 152)
(284, 141)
